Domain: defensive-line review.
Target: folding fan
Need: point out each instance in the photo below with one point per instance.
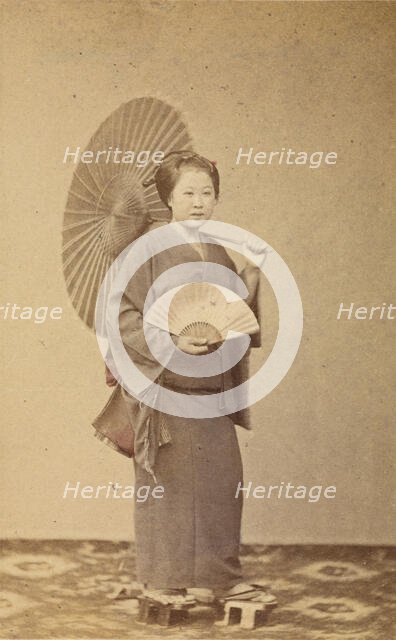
(201, 310)
(107, 207)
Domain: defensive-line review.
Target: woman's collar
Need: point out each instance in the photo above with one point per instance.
(188, 232)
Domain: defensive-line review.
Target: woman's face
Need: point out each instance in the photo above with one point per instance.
(193, 197)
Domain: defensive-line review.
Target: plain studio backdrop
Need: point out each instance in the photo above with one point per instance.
(305, 76)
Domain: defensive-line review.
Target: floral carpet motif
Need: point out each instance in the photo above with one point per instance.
(61, 589)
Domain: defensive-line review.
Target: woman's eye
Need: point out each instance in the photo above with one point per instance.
(188, 193)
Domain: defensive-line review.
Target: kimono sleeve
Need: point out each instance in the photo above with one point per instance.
(131, 323)
(251, 276)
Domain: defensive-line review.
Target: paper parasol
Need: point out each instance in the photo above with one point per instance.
(107, 206)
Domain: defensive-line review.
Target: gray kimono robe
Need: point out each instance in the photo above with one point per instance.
(191, 536)
(123, 422)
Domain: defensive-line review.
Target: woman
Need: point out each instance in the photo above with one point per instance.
(188, 539)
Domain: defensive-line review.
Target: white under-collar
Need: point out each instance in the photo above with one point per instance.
(190, 233)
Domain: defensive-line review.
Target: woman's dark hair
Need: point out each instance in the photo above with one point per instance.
(168, 172)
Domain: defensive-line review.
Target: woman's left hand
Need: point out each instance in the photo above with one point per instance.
(255, 245)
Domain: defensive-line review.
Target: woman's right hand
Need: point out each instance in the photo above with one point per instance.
(192, 345)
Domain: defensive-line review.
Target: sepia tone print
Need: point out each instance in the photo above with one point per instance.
(197, 320)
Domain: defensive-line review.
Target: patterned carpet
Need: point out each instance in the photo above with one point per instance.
(66, 589)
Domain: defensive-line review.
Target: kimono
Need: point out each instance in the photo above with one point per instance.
(190, 536)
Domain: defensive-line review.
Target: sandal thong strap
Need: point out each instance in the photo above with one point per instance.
(169, 596)
(246, 591)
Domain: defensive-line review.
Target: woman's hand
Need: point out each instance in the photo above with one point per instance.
(191, 345)
(111, 381)
(255, 245)
(256, 251)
